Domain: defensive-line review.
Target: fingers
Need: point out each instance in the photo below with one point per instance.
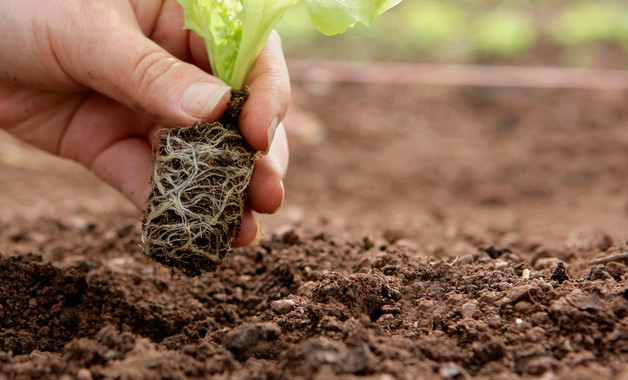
(266, 191)
(269, 89)
(127, 165)
(250, 233)
(110, 139)
(129, 67)
(167, 30)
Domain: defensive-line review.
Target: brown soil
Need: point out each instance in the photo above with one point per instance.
(434, 233)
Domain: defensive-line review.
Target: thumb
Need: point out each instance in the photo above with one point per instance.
(134, 70)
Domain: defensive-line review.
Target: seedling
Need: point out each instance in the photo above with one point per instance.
(202, 172)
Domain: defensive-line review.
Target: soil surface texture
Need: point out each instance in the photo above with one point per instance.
(427, 233)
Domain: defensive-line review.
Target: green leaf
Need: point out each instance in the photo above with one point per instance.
(235, 30)
(218, 22)
(335, 16)
(258, 18)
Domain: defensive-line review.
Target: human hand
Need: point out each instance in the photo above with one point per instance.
(94, 81)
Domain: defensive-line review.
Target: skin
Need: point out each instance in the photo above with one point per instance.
(95, 80)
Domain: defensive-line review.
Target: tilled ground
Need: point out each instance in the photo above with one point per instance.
(432, 233)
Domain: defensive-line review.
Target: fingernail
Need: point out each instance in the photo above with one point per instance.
(283, 196)
(258, 237)
(271, 134)
(200, 99)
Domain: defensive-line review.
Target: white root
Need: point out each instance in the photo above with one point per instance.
(200, 181)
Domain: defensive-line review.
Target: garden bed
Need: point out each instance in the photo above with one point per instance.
(421, 237)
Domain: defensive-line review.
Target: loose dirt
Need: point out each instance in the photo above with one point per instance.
(428, 233)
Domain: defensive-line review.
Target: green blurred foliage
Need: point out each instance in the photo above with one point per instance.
(468, 31)
(503, 32)
(586, 23)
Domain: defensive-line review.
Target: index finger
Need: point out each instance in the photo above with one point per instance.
(269, 95)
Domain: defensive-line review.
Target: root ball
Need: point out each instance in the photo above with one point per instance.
(199, 189)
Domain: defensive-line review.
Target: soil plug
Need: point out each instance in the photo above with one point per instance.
(202, 172)
(199, 188)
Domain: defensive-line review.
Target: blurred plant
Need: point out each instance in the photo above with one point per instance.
(588, 22)
(504, 32)
(462, 30)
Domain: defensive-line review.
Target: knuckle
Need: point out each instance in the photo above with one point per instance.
(149, 70)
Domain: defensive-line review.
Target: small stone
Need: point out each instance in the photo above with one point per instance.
(220, 297)
(468, 310)
(450, 371)
(83, 374)
(466, 259)
(32, 303)
(282, 306)
(77, 223)
(238, 293)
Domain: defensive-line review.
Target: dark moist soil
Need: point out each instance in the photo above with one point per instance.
(428, 232)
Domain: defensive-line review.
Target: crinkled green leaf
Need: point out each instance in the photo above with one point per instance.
(335, 16)
(220, 25)
(258, 17)
(235, 30)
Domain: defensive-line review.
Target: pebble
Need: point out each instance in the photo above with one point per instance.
(466, 259)
(468, 310)
(449, 371)
(83, 374)
(220, 297)
(282, 306)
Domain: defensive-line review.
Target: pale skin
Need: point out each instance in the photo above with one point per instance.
(94, 81)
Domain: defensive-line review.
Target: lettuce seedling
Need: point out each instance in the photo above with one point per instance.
(235, 30)
(202, 172)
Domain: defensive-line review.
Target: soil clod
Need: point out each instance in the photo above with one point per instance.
(560, 273)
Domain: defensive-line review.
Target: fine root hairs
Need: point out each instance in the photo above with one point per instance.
(199, 189)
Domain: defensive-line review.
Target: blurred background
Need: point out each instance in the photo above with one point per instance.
(571, 33)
